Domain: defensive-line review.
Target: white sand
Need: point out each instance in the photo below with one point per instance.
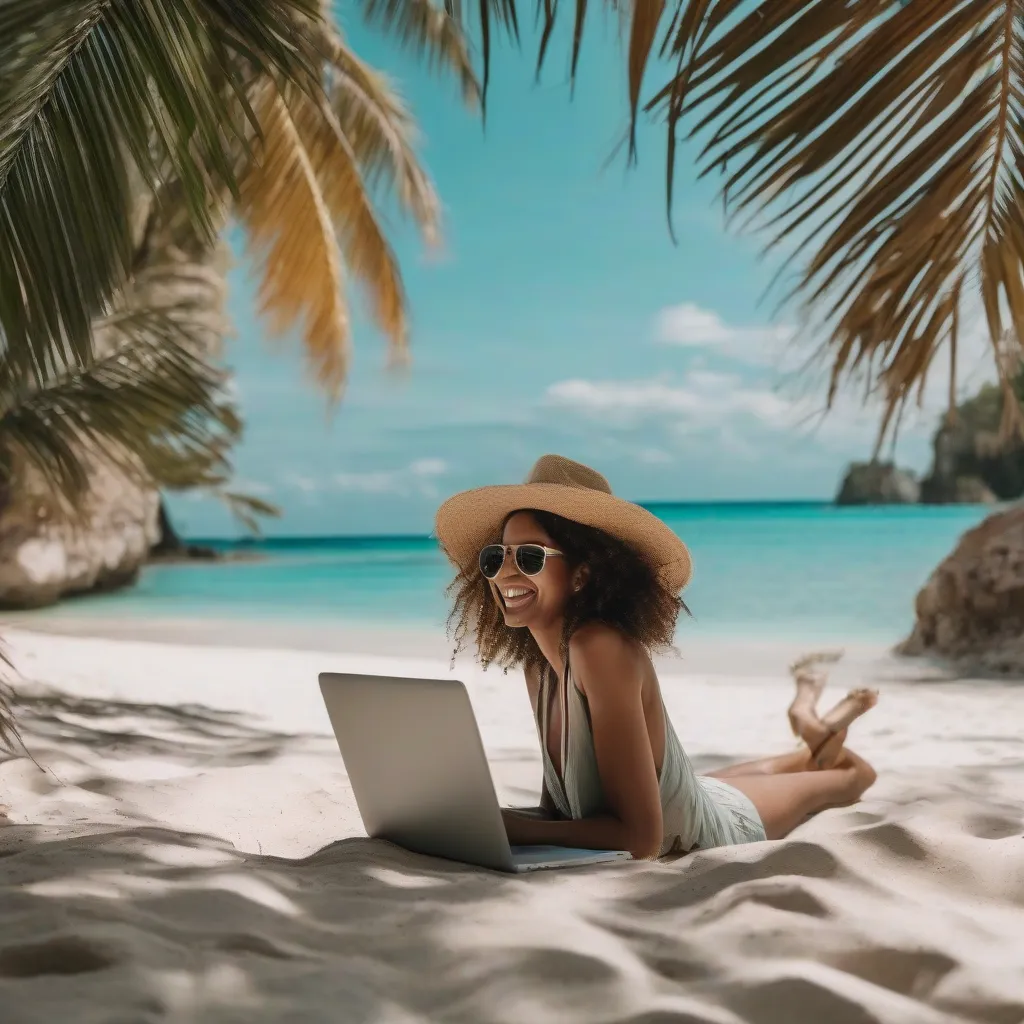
(192, 853)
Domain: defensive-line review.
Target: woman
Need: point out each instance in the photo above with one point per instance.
(579, 587)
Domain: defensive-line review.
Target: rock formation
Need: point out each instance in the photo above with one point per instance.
(44, 555)
(972, 607)
(970, 463)
(169, 546)
(877, 483)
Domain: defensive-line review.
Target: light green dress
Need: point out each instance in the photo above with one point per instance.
(699, 812)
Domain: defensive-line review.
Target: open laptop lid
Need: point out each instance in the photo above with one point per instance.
(418, 770)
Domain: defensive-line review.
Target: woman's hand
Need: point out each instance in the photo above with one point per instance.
(520, 826)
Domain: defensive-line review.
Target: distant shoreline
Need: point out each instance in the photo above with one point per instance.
(284, 540)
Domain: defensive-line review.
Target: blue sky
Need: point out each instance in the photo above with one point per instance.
(558, 317)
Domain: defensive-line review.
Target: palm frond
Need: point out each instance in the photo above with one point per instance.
(382, 134)
(248, 509)
(433, 31)
(291, 238)
(90, 90)
(153, 407)
(881, 140)
(884, 143)
(310, 218)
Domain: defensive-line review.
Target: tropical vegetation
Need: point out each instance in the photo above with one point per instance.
(875, 143)
(130, 132)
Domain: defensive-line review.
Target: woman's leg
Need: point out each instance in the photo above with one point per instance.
(782, 764)
(787, 799)
(823, 740)
(810, 678)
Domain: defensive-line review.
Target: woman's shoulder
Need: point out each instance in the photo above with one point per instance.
(598, 649)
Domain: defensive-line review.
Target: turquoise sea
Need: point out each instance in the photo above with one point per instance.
(762, 572)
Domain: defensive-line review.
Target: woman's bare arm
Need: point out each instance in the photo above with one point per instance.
(610, 672)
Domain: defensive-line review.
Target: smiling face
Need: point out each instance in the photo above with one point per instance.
(532, 601)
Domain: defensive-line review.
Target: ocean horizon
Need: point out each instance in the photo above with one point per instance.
(805, 571)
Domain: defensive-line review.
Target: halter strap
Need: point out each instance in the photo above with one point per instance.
(544, 716)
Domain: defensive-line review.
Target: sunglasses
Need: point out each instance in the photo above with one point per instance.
(530, 558)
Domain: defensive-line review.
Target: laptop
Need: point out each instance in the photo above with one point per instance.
(413, 754)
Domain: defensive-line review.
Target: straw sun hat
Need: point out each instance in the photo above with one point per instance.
(468, 521)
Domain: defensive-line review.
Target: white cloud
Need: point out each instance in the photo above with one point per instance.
(306, 484)
(428, 467)
(690, 326)
(417, 478)
(746, 420)
(653, 457)
(308, 487)
(242, 485)
(700, 397)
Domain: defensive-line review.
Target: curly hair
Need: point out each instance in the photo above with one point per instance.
(622, 591)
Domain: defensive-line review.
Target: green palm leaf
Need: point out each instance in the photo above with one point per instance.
(90, 90)
(154, 407)
(248, 509)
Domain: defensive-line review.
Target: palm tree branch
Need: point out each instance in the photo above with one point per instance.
(367, 253)
(291, 237)
(382, 133)
(433, 32)
(248, 509)
(880, 139)
(91, 89)
(10, 739)
(153, 407)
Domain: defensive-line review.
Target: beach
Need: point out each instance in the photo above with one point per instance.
(187, 848)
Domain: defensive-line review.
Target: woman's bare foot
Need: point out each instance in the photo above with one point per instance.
(810, 681)
(827, 735)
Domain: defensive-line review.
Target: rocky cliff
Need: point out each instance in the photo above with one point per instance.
(169, 546)
(877, 483)
(970, 463)
(972, 607)
(44, 555)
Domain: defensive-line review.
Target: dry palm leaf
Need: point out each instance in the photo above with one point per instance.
(382, 134)
(291, 237)
(433, 31)
(87, 88)
(310, 218)
(882, 141)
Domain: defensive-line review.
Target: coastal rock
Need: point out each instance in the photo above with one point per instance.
(971, 490)
(877, 483)
(169, 546)
(44, 556)
(971, 464)
(972, 607)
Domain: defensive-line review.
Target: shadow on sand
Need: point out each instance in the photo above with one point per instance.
(187, 734)
(148, 924)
